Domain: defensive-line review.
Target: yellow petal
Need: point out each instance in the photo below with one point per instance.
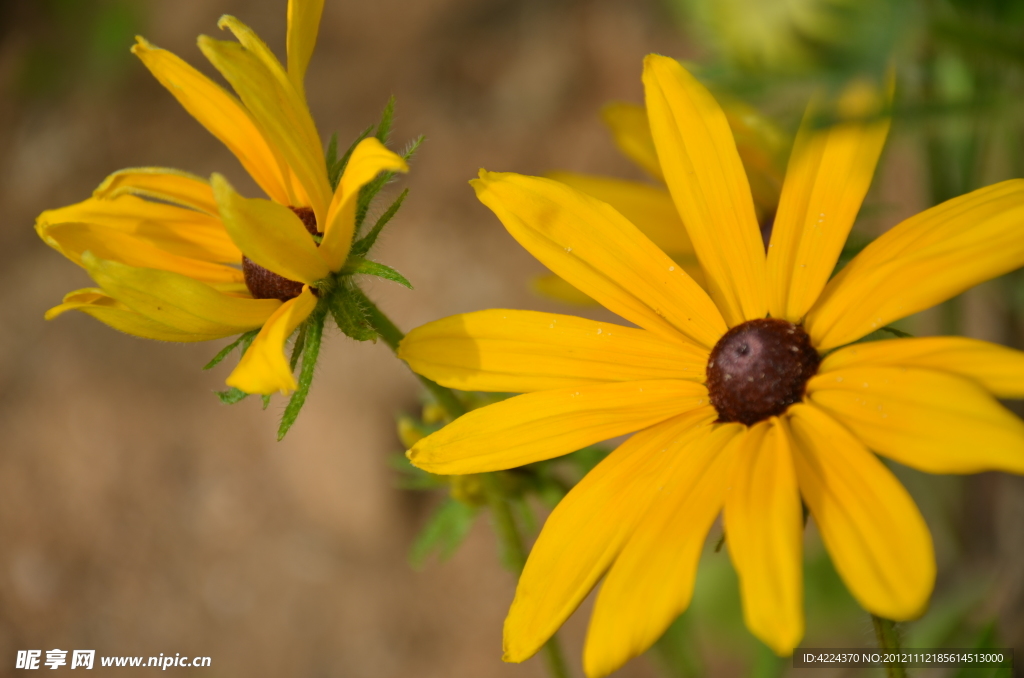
(282, 115)
(303, 25)
(269, 234)
(877, 538)
(932, 421)
(923, 261)
(764, 532)
(218, 112)
(547, 424)
(553, 287)
(159, 183)
(587, 529)
(264, 367)
(114, 314)
(72, 240)
(762, 147)
(708, 184)
(369, 158)
(829, 173)
(649, 208)
(651, 582)
(174, 229)
(178, 301)
(521, 351)
(1000, 370)
(632, 134)
(595, 249)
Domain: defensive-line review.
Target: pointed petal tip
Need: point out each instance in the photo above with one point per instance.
(54, 312)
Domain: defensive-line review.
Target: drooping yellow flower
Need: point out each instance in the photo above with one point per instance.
(762, 148)
(745, 398)
(178, 258)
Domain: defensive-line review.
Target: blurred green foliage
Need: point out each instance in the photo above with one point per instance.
(68, 43)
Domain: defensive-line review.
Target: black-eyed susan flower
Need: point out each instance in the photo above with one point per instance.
(762, 148)
(178, 258)
(746, 398)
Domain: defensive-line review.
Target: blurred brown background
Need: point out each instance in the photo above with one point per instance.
(139, 515)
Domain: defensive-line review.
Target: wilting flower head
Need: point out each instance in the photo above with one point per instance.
(745, 398)
(762, 148)
(178, 258)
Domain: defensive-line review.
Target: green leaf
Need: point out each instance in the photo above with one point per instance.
(446, 528)
(367, 267)
(363, 245)
(987, 639)
(310, 352)
(351, 315)
(387, 117)
(243, 340)
(232, 396)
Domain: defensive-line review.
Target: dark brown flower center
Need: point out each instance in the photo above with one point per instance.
(760, 368)
(265, 284)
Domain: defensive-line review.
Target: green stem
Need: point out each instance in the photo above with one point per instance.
(889, 640)
(515, 557)
(505, 525)
(393, 336)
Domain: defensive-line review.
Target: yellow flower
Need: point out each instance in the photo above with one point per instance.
(745, 398)
(762, 147)
(179, 258)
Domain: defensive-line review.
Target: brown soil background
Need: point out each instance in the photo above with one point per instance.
(138, 515)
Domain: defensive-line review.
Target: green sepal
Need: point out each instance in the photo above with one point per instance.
(243, 339)
(368, 192)
(265, 399)
(444, 531)
(232, 395)
(314, 329)
(350, 314)
(331, 156)
(300, 340)
(413, 478)
(336, 167)
(387, 118)
(367, 267)
(363, 245)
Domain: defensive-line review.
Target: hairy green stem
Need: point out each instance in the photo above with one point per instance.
(505, 525)
(515, 556)
(889, 640)
(392, 336)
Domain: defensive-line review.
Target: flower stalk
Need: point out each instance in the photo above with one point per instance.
(889, 640)
(512, 545)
